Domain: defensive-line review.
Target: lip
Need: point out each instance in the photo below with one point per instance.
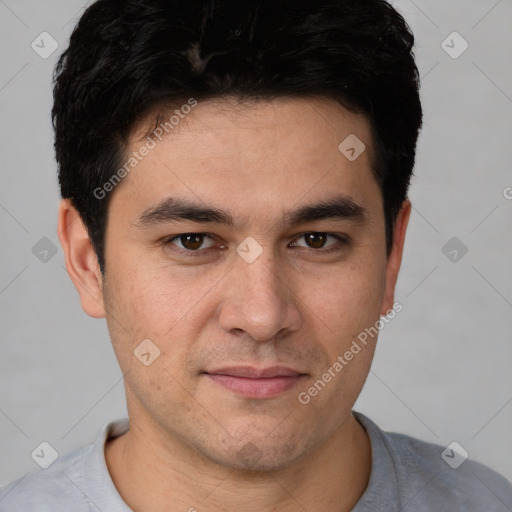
(255, 373)
(254, 382)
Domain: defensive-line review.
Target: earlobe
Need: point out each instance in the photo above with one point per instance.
(395, 257)
(81, 260)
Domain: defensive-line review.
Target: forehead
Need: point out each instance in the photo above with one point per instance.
(261, 156)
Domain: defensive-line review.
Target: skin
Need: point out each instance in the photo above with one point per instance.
(293, 306)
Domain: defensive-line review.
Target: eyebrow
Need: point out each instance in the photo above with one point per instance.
(179, 209)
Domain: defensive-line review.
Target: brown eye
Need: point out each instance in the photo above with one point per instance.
(318, 240)
(315, 240)
(191, 242)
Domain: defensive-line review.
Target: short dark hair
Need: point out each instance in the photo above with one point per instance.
(129, 58)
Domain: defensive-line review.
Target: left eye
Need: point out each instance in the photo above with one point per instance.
(317, 240)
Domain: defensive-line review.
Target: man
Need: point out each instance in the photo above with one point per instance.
(234, 179)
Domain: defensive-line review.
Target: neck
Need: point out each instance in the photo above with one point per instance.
(152, 473)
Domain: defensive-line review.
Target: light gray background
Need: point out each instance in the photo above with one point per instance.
(442, 371)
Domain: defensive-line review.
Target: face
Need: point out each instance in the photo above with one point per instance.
(245, 241)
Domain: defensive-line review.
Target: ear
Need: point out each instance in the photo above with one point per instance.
(81, 260)
(395, 256)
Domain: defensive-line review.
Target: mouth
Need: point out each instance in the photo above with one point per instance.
(253, 382)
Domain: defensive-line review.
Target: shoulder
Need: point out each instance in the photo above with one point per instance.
(79, 481)
(432, 477)
(53, 489)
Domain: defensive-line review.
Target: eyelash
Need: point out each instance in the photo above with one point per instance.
(167, 243)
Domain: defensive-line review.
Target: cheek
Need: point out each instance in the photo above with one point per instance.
(163, 305)
(343, 316)
(147, 307)
(151, 299)
(347, 299)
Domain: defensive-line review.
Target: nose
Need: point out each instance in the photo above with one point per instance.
(260, 300)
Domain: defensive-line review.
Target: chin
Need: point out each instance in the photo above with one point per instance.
(259, 455)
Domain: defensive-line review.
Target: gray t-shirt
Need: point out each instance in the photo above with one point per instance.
(407, 475)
